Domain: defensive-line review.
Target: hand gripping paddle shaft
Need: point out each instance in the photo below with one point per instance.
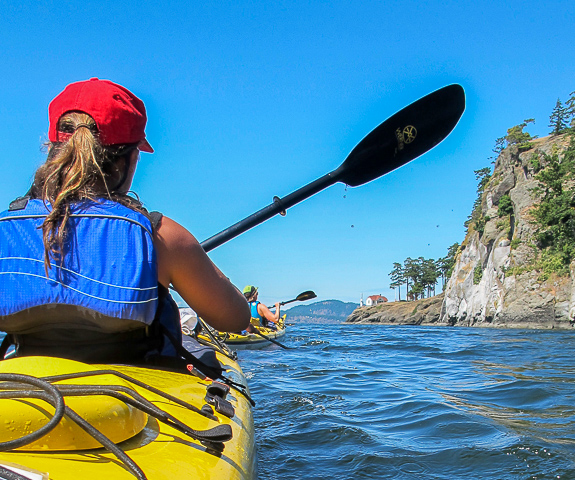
(401, 138)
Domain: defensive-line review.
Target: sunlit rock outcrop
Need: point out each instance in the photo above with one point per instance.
(495, 280)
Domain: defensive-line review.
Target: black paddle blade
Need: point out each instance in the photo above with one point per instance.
(403, 137)
(306, 296)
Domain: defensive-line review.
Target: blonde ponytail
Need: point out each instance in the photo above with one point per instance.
(77, 169)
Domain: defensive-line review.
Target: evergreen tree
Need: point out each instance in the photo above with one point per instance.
(417, 291)
(418, 280)
(410, 272)
(483, 175)
(558, 119)
(505, 206)
(397, 277)
(570, 109)
(499, 145)
(423, 274)
(447, 263)
(429, 275)
(516, 135)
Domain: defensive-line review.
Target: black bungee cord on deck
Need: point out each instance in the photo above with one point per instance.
(51, 396)
(206, 369)
(11, 388)
(123, 376)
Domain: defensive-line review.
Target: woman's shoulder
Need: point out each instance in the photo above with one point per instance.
(173, 236)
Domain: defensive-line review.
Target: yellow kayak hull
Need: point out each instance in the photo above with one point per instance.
(252, 340)
(159, 450)
(239, 341)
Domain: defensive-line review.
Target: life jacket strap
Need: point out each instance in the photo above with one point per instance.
(19, 204)
(5, 345)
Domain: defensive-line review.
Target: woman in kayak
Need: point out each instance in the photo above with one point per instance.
(261, 315)
(87, 268)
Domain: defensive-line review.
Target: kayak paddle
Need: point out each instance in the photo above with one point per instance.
(401, 138)
(257, 332)
(302, 297)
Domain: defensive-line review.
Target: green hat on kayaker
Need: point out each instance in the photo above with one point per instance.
(250, 290)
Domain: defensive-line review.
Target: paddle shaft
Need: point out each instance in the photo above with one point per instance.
(270, 339)
(284, 303)
(279, 205)
(302, 297)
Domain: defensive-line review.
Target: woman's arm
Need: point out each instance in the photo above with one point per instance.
(183, 263)
(266, 312)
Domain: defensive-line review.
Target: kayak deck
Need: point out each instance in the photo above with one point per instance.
(159, 450)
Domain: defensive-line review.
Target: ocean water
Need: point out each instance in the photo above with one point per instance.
(381, 402)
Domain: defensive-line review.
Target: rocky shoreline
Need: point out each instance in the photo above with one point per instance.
(430, 311)
(419, 312)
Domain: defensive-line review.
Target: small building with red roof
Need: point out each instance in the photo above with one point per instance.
(375, 300)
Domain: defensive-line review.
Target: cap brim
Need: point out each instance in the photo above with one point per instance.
(144, 146)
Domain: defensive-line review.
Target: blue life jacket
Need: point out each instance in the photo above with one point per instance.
(101, 303)
(108, 273)
(255, 315)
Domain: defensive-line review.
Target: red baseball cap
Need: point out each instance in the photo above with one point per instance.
(118, 113)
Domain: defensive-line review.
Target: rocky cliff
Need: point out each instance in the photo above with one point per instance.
(496, 280)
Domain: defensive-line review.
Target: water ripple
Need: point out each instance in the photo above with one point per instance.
(369, 401)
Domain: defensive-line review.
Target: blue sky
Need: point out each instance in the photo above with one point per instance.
(247, 100)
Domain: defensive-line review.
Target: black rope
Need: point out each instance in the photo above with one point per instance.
(49, 393)
(107, 444)
(214, 436)
(123, 376)
(52, 396)
(130, 397)
(206, 369)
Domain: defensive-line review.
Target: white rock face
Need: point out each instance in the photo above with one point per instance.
(486, 287)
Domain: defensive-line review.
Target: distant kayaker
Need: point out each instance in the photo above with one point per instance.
(261, 315)
(85, 267)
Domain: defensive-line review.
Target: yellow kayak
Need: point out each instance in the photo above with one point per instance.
(239, 341)
(155, 424)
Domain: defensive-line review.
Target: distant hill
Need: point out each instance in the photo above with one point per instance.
(329, 311)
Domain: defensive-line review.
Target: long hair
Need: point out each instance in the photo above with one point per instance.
(80, 168)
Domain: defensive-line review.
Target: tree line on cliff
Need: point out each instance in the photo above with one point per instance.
(553, 215)
(420, 275)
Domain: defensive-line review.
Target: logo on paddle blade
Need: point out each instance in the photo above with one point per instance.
(409, 134)
(405, 136)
